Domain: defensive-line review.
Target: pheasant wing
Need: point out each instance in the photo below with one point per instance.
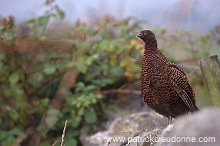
(179, 82)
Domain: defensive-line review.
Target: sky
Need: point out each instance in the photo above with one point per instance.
(201, 15)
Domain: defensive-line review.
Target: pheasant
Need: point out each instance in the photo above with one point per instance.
(165, 86)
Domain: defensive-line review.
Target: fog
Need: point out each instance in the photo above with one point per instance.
(201, 15)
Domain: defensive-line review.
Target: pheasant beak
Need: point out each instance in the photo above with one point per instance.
(139, 35)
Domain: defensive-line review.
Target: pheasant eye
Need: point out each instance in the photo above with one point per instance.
(145, 33)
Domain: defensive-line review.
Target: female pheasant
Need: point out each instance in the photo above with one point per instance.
(165, 86)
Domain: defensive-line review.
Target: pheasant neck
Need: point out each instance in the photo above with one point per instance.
(150, 48)
(150, 43)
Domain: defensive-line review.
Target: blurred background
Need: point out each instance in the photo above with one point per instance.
(80, 61)
(197, 15)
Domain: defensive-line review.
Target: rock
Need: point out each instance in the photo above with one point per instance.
(147, 129)
(203, 125)
(123, 129)
(147, 138)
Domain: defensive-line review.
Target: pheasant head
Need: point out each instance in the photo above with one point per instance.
(149, 38)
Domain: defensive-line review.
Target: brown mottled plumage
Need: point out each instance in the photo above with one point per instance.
(165, 86)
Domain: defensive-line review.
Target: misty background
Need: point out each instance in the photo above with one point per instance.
(200, 15)
(79, 61)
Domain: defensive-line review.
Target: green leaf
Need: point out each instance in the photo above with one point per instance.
(8, 140)
(14, 77)
(74, 122)
(124, 30)
(53, 15)
(104, 44)
(71, 141)
(15, 132)
(48, 70)
(89, 88)
(75, 133)
(90, 59)
(43, 20)
(90, 117)
(81, 111)
(13, 114)
(82, 67)
(31, 21)
(60, 13)
(3, 134)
